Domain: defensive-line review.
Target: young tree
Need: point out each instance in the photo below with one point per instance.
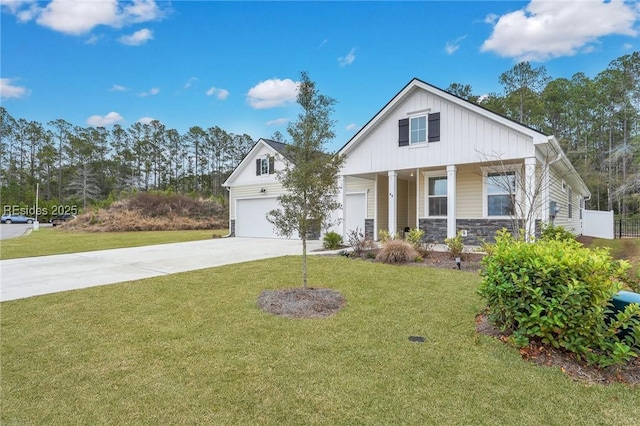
(310, 175)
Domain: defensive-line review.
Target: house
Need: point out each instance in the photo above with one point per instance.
(254, 190)
(431, 160)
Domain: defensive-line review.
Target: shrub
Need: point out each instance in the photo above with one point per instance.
(559, 293)
(414, 237)
(332, 240)
(384, 236)
(396, 252)
(455, 245)
(359, 243)
(552, 232)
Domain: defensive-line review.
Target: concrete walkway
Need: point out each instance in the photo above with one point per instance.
(21, 278)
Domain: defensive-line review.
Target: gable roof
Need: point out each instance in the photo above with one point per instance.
(276, 147)
(417, 84)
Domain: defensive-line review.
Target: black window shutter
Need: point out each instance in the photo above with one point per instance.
(403, 132)
(258, 168)
(271, 165)
(434, 127)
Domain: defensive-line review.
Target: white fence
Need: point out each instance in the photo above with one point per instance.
(597, 224)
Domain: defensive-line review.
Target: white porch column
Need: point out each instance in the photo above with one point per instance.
(341, 223)
(393, 202)
(451, 201)
(530, 192)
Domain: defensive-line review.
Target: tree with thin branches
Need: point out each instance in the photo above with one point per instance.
(310, 174)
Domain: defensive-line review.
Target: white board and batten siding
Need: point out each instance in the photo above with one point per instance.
(466, 137)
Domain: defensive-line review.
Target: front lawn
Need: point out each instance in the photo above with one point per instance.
(47, 241)
(194, 348)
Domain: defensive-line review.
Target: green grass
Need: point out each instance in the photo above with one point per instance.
(47, 241)
(626, 248)
(194, 348)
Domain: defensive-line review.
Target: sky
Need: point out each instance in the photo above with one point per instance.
(235, 64)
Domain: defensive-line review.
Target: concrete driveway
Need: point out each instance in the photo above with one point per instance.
(21, 278)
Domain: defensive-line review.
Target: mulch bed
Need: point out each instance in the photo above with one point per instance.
(548, 356)
(299, 303)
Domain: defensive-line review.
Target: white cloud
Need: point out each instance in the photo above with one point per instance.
(145, 120)
(546, 29)
(221, 94)
(104, 121)
(348, 59)
(143, 11)
(9, 90)
(77, 17)
(277, 122)
(627, 46)
(190, 82)
(453, 45)
(153, 91)
(118, 88)
(138, 38)
(273, 93)
(324, 42)
(491, 18)
(351, 127)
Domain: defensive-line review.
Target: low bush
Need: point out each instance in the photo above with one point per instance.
(552, 232)
(414, 237)
(559, 293)
(455, 245)
(396, 252)
(359, 243)
(332, 240)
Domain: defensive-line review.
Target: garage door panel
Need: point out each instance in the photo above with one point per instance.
(251, 217)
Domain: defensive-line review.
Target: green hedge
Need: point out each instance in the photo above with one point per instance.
(560, 293)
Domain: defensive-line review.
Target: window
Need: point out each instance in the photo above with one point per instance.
(501, 193)
(418, 129)
(437, 196)
(569, 203)
(265, 166)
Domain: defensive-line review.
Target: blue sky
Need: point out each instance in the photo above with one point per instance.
(235, 64)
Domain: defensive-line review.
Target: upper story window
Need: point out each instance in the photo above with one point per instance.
(418, 129)
(501, 193)
(265, 166)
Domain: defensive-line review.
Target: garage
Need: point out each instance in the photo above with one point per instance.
(354, 211)
(251, 217)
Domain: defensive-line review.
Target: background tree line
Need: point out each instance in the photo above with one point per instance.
(87, 165)
(596, 120)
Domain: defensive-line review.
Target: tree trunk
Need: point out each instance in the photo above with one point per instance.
(304, 262)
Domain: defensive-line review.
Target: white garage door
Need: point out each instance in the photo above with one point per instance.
(354, 212)
(251, 217)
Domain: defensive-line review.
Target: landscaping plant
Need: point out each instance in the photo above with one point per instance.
(559, 293)
(455, 245)
(397, 252)
(552, 232)
(332, 240)
(414, 237)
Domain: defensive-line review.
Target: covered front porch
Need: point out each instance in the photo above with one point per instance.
(441, 201)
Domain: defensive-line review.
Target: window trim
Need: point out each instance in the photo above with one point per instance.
(427, 196)
(507, 168)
